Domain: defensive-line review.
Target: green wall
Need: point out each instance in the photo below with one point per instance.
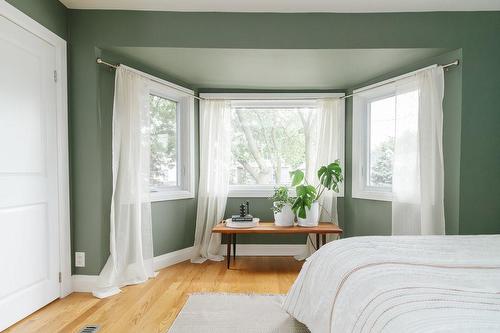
(370, 217)
(475, 33)
(50, 13)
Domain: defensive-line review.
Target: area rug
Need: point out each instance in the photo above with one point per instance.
(235, 313)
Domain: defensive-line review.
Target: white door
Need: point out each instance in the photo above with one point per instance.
(29, 237)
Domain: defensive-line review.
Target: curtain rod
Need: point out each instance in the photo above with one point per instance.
(102, 62)
(383, 83)
(397, 78)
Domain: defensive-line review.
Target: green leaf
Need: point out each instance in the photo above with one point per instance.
(322, 171)
(334, 167)
(306, 195)
(311, 190)
(280, 194)
(302, 212)
(330, 176)
(297, 177)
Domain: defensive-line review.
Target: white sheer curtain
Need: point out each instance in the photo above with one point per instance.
(418, 175)
(131, 244)
(327, 127)
(215, 158)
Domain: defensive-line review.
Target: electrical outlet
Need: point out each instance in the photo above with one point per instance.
(79, 259)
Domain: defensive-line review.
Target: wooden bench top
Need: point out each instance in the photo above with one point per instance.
(270, 228)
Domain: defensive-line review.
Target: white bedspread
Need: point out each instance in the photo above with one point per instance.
(400, 284)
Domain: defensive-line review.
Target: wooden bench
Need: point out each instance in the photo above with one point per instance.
(322, 229)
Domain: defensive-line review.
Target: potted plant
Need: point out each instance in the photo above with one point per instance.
(282, 207)
(306, 204)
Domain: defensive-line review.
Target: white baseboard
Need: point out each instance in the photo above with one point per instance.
(172, 258)
(83, 283)
(86, 283)
(266, 249)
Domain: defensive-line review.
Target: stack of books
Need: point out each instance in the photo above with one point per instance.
(237, 221)
(239, 218)
(244, 220)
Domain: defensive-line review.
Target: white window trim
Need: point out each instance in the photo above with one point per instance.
(360, 190)
(269, 96)
(185, 141)
(171, 194)
(267, 100)
(256, 191)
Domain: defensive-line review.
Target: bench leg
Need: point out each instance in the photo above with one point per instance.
(234, 247)
(228, 254)
(323, 239)
(318, 244)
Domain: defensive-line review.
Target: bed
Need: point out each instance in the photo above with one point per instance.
(400, 284)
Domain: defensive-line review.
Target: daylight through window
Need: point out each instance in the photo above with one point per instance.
(274, 134)
(381, 128)
(163, 167)
(171, 129)
(377, 114)
(268, 143)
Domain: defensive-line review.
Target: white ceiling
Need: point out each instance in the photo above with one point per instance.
(340, 6)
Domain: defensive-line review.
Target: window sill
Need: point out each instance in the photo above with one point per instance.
(372, 195)
(251, 191)
(171, 195)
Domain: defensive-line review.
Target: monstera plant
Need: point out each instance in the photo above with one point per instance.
(306, 204)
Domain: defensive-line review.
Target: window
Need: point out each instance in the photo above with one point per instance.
(381, 129)
(171, 135)
(374, 129)
(272, 136)
(267, 144)
(163, 142)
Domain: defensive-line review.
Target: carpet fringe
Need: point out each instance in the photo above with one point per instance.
(201, 293)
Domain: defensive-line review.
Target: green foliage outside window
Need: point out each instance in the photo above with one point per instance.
(163, 168)
(268, 143)
(381, 166)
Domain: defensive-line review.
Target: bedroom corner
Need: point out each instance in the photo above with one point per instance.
(190, 166)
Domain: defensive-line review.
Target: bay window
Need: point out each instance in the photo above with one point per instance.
(272, 135)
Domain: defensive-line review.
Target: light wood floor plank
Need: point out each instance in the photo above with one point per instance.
(153, 306)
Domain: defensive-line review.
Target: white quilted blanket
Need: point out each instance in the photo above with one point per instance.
(400, 284)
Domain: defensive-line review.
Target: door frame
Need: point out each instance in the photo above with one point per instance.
(24, 21)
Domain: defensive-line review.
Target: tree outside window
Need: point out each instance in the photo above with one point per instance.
(268, 143)
(163, 167)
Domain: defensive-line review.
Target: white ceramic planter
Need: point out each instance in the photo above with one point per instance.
(312, 216)
(285, 217)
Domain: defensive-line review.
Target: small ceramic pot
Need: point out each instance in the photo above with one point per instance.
(312, 216)
(285, 217)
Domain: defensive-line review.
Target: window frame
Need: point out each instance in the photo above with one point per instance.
(185, 188)
(361, 142)
(273, 100)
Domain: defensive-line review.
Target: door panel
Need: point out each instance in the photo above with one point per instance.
(29, 239)
(21, 117)
(27, 223)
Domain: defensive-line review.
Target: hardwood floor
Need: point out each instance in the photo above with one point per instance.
(153, 306)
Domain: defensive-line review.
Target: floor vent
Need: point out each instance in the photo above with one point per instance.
(90, 329)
